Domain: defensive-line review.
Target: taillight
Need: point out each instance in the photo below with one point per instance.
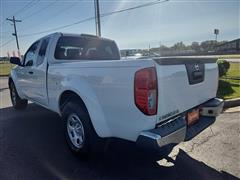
(146, 90)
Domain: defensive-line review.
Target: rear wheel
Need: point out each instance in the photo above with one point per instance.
(78, 128)
(17, 102)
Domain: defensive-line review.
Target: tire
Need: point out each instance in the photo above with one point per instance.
(79, 132)
(17, 102)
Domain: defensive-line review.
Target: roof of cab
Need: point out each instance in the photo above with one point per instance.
(84, 35)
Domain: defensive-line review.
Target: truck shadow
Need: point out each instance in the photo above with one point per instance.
(32, 146)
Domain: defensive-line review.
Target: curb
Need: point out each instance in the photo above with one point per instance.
(232, 103)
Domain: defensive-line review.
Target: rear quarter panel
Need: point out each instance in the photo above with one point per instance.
(107, 89)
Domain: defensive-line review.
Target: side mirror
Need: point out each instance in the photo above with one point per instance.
(15, 60)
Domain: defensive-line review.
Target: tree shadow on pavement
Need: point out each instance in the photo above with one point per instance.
(32, 146)
(224, 89)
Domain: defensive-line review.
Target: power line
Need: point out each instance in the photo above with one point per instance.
(37, 12)
(92, 18)
(63, 10)
(61, 27)
(133, 8)
(6, 43)
(28, 5)
(4, 32)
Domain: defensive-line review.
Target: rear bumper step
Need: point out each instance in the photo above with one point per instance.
(212, 108)
(176, 130)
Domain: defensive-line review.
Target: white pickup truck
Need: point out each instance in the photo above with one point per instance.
(153, 102)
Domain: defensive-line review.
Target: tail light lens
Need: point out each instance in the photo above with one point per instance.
(146, 90)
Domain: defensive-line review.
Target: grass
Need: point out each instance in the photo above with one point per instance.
(5, 68)
(230, 88)
(229, 56)
(234, 70)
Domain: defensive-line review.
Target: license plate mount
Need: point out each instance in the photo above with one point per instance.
(192, 117)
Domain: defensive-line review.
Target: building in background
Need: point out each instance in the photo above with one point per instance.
(229, 47)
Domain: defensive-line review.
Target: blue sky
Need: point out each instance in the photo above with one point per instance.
(165, 23)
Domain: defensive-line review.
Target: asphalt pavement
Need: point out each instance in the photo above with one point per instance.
(32, 146)
(3, 82)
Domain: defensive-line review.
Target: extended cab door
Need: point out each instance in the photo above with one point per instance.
(25, 73)
(38, 78)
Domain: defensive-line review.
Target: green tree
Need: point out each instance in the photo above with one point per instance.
(179, 46)
(195, 46)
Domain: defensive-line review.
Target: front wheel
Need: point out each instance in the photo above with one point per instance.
(17, 102)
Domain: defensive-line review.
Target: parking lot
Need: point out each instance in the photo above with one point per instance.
(32, 146)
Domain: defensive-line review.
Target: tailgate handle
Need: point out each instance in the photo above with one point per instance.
(197, 75)
(195, 72)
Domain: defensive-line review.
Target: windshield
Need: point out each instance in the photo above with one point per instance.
(82, 48)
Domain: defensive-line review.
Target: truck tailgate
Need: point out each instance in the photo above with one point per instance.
(183, 83)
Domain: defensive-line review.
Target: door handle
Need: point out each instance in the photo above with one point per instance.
(30, 72)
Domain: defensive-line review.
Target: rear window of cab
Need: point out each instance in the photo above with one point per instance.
(85, 48)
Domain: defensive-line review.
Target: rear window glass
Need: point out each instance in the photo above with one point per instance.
(84, 48)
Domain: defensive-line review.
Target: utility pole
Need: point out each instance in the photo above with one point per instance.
(97, 18)
(15, 29)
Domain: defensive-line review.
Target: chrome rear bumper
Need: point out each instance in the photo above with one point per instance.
(176, 130)
(212, 108)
